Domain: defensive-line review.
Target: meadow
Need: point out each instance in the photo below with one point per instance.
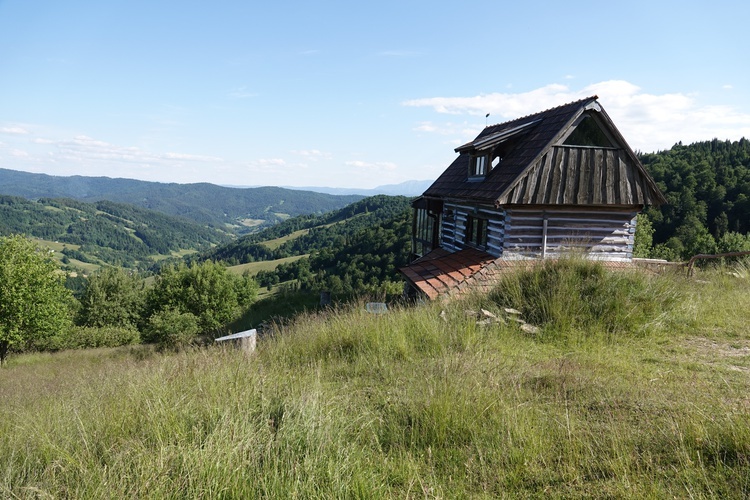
(634, 386)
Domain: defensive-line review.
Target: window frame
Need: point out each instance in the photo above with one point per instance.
(478, 167)
(475, 232)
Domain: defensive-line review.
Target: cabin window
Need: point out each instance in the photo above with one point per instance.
(476, 231)
(425, 232)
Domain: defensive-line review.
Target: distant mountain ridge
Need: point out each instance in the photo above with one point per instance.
(407, 188)
(202, 202)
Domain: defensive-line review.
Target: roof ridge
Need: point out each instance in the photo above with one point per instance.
(579, 101)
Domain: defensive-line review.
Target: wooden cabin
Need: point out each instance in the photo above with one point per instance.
(558, 181)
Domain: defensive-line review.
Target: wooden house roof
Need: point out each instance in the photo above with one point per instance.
(538, 167)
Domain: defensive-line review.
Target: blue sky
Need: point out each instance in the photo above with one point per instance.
(347, 94)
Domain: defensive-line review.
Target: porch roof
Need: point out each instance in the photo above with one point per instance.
(440, 271)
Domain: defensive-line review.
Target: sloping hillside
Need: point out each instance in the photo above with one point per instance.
(422, 402)
(353, 250)
(105, 232)
(204, 203)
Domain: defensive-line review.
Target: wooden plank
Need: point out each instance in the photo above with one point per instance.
(555, 174)
(574, 171)
(622, 179)
(597, 186)
(610, 178)
(538, 171)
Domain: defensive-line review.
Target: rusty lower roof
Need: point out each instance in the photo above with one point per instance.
(441, 271)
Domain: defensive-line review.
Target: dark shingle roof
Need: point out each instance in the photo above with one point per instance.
(532, 138)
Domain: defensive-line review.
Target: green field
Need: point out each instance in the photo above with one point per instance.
(265, 265)
(641, 393)
(277, 242)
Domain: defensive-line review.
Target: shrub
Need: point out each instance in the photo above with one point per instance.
(172, 328)
(106, 336)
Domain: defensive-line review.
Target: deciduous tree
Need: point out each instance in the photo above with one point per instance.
(34, 302)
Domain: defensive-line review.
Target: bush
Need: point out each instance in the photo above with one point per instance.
(106, 336)
(577, 295)
(85, 337)
(172, 328)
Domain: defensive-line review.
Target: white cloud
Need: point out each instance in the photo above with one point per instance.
(727, 86)
(187, 157)
(15, 130)
(649, 122)
(498, 104)
(381, 165)
(449, 128)
(270, 161)
(86, 149)
(313, 154)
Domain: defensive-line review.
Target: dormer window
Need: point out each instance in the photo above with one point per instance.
(478, 166)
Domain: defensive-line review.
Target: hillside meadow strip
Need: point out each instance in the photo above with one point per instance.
(420, 402)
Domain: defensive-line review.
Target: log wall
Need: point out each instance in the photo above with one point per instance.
(602, 234)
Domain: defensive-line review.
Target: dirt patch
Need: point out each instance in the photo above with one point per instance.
(713, 348)
(734, 355)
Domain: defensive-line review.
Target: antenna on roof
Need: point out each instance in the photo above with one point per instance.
(485, 119)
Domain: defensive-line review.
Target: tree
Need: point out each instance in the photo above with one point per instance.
(207, 290)
(644, 237)
(113, 297)
(34, 303)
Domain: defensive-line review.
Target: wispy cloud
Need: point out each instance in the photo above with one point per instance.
(447, 128)
(14, 130)
(312, 154)
(241, 93)
(83, 148)
(648, 121)
(266, 165)
(6, 150)
(381, 165)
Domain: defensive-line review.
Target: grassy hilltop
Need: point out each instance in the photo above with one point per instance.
(633, 386)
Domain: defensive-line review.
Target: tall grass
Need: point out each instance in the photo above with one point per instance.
(572, 296)
(347, 404)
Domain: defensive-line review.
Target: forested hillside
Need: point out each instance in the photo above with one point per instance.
(355, 249)
(104, 232)
(204, 203)
(707, 185)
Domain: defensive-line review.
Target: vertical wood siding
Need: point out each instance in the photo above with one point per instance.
(569, 175)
